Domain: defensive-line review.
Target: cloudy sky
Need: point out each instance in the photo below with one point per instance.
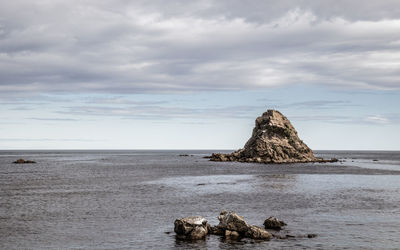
(181, 74)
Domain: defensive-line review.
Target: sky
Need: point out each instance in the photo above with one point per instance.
(179, 74)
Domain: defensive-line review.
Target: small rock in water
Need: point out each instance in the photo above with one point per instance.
(234, 226)
(258, 233)
(22, 161)
(274, 223)
(193, 228)
(232, 222)
(311, 235)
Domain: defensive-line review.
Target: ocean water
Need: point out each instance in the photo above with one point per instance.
(130, 199)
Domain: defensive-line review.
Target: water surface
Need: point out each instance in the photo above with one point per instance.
(130, 199)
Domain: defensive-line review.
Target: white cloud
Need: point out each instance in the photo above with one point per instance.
(377, 119)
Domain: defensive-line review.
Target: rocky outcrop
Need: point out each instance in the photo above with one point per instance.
(193, 228)
(22, 161)
(234, 226)
(274, 223)
(274, 140)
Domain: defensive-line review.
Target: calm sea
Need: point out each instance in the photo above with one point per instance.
(130, 199)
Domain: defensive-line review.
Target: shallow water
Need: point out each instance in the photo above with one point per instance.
(130, 199)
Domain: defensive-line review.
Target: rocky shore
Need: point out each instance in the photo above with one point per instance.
(274, 140)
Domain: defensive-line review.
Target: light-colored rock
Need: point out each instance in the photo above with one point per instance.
(232, 234)
(232, 225)
(194, 227)
(232, 222)
(274, 140)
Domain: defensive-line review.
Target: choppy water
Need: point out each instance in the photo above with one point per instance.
(130, 199)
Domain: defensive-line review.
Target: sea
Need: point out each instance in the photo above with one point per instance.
(130, 199)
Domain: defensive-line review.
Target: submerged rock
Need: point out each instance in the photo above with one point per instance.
(22, 161)
(274, 140)
(193, 228)
(274, 223)
(258, 233)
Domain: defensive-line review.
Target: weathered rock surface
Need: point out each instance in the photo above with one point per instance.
(22, 161)
(274, 140)
(193, 228)
(233, 225)
(274, 223)
(258, 233)
(232, 222)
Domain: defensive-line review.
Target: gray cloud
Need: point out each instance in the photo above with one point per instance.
(52, 119)
(153, 112)
(47, 140)
(319, 104)
(150, 46)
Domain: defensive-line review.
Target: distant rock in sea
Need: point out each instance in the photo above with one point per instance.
(22, 161)
(274, 140)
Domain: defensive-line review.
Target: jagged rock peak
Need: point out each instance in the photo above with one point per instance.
(274, 140)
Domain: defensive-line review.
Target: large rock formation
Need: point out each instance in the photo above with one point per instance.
(274, 140)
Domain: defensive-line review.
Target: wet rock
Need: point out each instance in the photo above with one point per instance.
(232, 234)
(22, 161)
(274, 223)
(258, 233)
(194, 227)
(274, 140)
(233, 225)
(217, 230)
(232, 222)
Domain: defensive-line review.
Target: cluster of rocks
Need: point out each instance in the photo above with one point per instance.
(231, 225)
(234, 226)
(22, 161)
(274, 140)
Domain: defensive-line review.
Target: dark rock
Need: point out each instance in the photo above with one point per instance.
(274, 223)
(258, 233)
(311, 235)
(274, 140)
(193, 228)
(22, 161)
(217, 230)
(375, 160)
